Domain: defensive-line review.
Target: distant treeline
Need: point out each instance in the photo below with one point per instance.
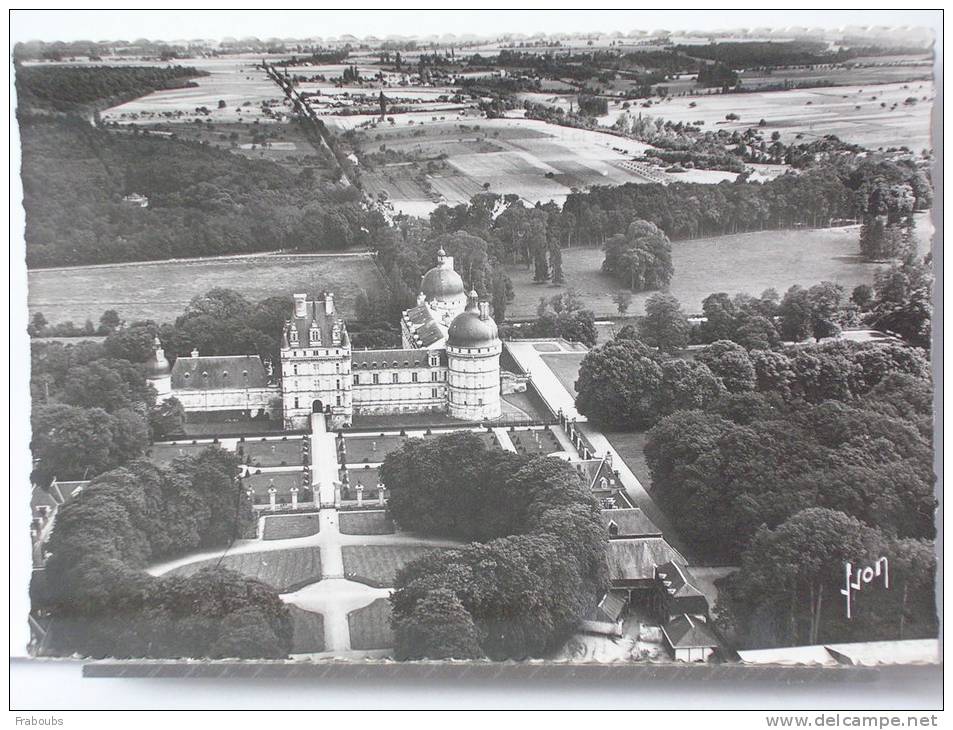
(71, 88)
(689, 210)
(759, 54)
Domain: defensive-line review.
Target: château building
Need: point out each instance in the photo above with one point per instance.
(449, 363)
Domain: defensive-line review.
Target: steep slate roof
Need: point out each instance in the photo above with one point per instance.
(593, 470)
(370, 359)
(424, 328)
(678, 581)
(684, 632)
(636, 558)
(315, 312)
(610, 607)
(220, 372)
(429, 334)
(630, 522)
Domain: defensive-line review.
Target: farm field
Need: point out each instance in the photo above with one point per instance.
(378, 564)
(233, 79)
(284, 527)
(284, 570)
(812, 113)
(369, 627)
(744, 262)
(535, 160)
(365, 523)
(161, 290)
(307, 630)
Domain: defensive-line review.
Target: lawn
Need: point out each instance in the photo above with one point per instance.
(282, 481)
(307, 631)
(526, 442)
(273, 452)
(284, 527)
(165, 453)
(284, 570)
(744, 262)
(377, 565)
(371, 448)
(370, 626)
(365, 523)
(631, 447)
(565, 367)
(161, 290)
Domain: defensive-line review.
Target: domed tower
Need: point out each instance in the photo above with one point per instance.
(442, 289)
(473, 360)
(159, 373)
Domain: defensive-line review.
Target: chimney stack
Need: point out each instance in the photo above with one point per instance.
(301, 305)
(329, 303)
(195, 352)
(484, 310)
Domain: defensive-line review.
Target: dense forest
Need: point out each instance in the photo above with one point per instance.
(202, 201)
(84, 88)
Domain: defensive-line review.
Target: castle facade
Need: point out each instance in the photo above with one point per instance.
(449, 362)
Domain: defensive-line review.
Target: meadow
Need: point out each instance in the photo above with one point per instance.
(744, 262)
(874, 115)
(161, 290)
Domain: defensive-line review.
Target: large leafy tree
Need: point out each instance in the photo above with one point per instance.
(787, 574)
(517, 594)
(617, 384)
(641, 258)
(664, 325)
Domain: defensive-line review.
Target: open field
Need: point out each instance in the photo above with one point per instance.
(377, 565)
(874, 115)
(365, 523)
(533, 159)
(284, 570)
(744, 262)
(161, 290)
(370, 626)
(284, 527)
(307, 630)
(233, 79)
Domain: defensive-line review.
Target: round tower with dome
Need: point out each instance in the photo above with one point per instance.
(442, 289)
(159, 372)
(473, 364)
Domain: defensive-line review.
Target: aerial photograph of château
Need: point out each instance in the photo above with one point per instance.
(609, 346)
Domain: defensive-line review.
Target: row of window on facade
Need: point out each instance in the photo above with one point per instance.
(187, 376)
(395, 378)
(294, 368)
(434, 393)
